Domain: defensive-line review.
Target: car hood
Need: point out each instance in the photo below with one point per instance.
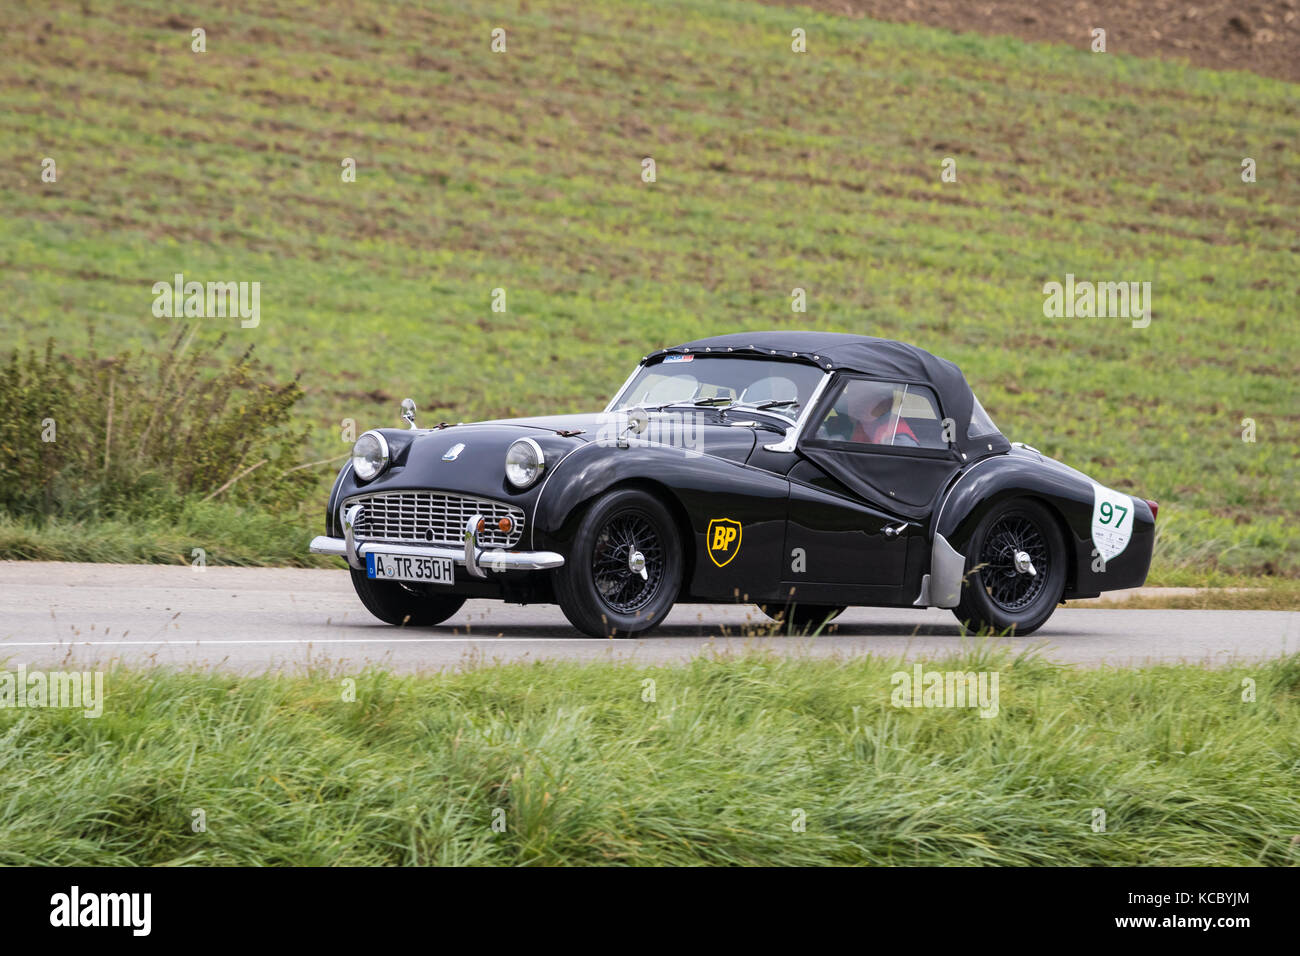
(703, 431)
(470, 457)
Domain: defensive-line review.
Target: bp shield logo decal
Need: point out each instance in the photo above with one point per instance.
(723, 540)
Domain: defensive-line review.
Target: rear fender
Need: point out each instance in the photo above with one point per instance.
(1069, 495)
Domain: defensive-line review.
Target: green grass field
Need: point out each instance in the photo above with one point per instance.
(522, 171)
(703, 764)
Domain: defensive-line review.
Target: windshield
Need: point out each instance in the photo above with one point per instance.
(780, 387)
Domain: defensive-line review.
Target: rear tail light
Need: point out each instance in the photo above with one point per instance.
(1154, 506)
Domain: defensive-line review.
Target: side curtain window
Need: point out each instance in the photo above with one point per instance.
(980, 423)
(891, 414)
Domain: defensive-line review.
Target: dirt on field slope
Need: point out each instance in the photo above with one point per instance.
(1262, 37)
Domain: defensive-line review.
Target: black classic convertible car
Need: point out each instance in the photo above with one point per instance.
(801, 471)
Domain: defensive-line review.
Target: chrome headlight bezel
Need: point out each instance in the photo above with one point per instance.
(366, 466)
(524, 473)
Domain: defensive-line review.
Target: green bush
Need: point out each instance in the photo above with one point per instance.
(91, 436)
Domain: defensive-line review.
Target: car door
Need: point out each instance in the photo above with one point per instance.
(876, 456)
(833, 537)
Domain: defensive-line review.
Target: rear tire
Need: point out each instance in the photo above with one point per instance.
(400, 604)
(598, 589)
(997, 594)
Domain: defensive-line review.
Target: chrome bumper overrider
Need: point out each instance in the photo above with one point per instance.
(477, 561)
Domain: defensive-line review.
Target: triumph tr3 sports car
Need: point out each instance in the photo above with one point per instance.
(801, 471)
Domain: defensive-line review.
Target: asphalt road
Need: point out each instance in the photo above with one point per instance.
(252, 620)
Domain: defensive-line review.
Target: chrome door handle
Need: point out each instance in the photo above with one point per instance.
(895, 530)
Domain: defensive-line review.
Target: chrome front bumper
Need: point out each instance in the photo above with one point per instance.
(477, 561)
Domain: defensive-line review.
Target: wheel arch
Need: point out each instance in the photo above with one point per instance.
(1065, 493)
(658, 490)
(696, 488)
(592, 471)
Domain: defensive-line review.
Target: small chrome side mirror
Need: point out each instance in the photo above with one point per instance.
(637, 422)
(408, 412)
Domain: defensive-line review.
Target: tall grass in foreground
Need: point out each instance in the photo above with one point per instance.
(583, 769)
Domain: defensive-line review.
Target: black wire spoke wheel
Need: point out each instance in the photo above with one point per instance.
(624, 566)
(1016, 568)
(625, 546)
(1012, 581)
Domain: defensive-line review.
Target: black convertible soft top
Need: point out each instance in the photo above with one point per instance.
(878, 358)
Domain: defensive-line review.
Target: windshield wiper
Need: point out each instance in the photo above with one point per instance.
(766, 406)
(756, 423)
(703, 403)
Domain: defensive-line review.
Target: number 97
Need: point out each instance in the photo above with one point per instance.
(1108, 512)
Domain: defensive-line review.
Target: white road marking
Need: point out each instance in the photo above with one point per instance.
(188, 619)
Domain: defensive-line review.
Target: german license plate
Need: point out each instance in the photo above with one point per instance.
(401, 567)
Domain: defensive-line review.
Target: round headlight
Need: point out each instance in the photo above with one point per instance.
(524, 462)
(369, 455)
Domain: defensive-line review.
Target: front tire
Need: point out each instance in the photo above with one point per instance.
(601, 588)
(1015, 569)
(401, 604)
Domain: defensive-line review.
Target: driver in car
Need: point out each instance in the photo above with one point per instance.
(873, 422)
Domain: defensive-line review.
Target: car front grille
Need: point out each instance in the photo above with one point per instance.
(433, 517)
